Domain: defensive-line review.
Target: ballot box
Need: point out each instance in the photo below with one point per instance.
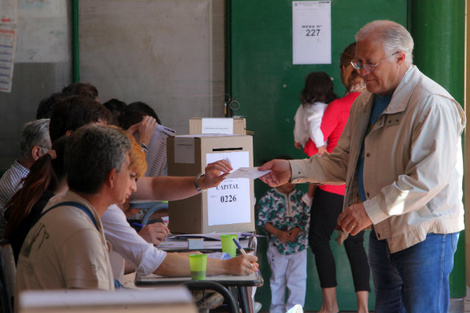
(226, 208)
(223, 125)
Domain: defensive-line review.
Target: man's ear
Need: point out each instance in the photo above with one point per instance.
(401, 57)
(111, 178)
(37, 152)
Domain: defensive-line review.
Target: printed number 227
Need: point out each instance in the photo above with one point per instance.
(313, 32)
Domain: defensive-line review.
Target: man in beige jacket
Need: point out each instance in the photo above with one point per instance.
(400, 156)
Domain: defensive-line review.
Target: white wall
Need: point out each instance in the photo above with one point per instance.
(166, 53)
(42, 66)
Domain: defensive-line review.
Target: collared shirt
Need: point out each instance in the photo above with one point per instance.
(413, 166)
(129, 246)
(10, 183)
(285, 212)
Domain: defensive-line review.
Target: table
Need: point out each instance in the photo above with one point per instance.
(180, 244)
(233, 283)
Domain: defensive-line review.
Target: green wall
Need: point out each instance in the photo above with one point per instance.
(438, 30)
(261, 77)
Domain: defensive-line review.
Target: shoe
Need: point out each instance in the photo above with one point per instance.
(257, 307)
(296, 309)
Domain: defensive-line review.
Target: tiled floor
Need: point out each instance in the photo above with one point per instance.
(466, 305)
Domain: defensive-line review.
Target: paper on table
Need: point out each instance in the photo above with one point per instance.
(247, 172)
(211, 236)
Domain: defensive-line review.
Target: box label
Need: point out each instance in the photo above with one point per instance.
(230, 203)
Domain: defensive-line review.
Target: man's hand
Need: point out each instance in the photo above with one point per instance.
(354, 219)
(145, 129)
(297, 145)
(154, 233)
(321, 150)
(215, 173)
(242, 265)
(280, 172)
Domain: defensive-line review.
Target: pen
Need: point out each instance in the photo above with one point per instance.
(137, 224)
(244, 252)
(239, 246)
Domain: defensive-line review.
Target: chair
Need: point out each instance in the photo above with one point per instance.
(152, 210)
(7, 276)
(149, 207)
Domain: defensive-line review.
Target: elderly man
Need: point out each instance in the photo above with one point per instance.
(34, 143)
(400, 156)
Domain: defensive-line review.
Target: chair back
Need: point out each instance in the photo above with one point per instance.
(7, 276)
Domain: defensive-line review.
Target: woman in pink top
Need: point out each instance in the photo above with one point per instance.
(328, 201)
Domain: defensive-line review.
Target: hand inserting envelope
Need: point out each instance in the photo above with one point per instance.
(247, 172)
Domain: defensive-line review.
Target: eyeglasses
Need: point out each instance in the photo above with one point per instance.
(370, 67)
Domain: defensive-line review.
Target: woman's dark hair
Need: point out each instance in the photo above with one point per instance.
(73, 112)
(318, 88)
(116, 107)
(143, 108)
(129, 118)
(44, 109)
(80, 89)
(348, 55)
(45, 174)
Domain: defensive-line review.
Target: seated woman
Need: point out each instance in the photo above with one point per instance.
(45, 179)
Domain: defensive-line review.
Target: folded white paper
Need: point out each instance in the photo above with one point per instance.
(247, 172)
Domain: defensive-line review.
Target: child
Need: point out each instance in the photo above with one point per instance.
(285, 216)
(315, 97)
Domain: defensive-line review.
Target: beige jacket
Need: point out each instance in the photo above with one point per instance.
(413, 165)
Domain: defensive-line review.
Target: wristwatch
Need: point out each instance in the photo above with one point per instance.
(144, 147)
(196, 183)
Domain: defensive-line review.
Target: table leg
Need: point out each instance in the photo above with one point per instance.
(246, 302)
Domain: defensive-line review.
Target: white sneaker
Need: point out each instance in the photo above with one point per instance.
(296, 309)
(257, 307)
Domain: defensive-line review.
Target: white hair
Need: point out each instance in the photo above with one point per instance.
(393, 36)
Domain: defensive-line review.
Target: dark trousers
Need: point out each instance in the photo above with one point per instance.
(326, 208)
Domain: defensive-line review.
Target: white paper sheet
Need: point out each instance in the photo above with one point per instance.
(247, 172)
(217, 126)
(7, 56)
(230, 203)
(311, 32)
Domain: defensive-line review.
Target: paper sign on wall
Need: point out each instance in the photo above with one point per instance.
(229, 203)
(7, 56)
(311, 32)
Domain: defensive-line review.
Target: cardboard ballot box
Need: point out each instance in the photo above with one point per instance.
(223, 125)
(226, 208)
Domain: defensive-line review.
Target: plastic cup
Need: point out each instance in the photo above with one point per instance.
(198, 266)
(228, 245)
